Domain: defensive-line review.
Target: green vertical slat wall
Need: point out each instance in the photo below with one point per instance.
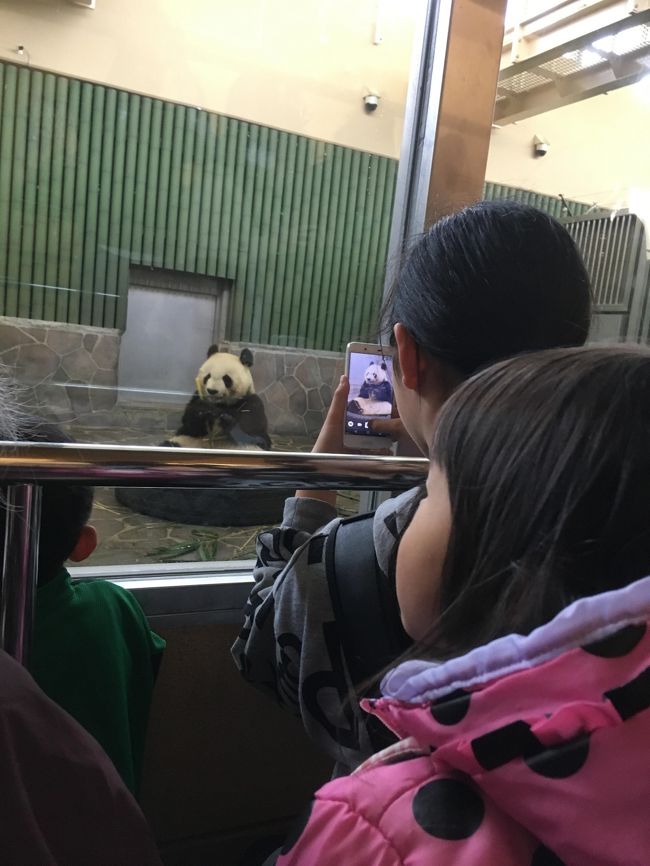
(94, 179)
(549, 203)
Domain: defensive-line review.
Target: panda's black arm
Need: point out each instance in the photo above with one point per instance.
(252, 415)
(364, 390)
(250, 425)
(238, 436)
(197, 419)
(385, 392)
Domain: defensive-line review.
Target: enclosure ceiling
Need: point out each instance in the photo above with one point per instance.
(591, 64)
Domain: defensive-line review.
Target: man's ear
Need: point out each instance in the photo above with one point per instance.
(86, 543)
(412, 365)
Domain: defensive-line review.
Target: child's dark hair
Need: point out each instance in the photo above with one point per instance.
(489, 282)
(547, 459)
(65, 508)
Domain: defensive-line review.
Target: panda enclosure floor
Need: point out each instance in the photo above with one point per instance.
(127, 538)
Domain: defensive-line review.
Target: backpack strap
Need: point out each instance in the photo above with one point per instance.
(365, 603)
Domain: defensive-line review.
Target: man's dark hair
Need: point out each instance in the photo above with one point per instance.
(65, 508)
(494, 280)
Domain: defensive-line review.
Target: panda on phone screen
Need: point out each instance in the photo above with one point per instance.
(376, 392)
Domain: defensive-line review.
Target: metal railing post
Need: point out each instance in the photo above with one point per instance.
(19, 569)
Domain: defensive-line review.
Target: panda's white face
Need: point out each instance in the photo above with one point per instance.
(224, 379)
(376, 374)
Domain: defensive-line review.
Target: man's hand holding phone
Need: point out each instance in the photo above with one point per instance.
(330, 438)
(378, 433)
(369, 369)
(394, 428)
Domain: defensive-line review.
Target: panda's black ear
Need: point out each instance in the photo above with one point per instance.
(383, 365)
(246, 357)
(212, 350)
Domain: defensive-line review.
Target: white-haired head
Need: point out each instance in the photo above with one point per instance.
(9, 413)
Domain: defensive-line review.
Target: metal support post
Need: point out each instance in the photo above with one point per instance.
(19, 569)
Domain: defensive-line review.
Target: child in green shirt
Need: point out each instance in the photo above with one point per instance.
(93, 651)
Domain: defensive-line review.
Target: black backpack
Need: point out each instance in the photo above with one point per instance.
(364, 601)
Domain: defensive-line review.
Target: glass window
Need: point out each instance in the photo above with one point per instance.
(572, 108)
(180, 176)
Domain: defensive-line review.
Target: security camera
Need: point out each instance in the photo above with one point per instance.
(540, 146)
(370, 102)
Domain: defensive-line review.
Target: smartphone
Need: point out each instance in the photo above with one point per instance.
(369, 369)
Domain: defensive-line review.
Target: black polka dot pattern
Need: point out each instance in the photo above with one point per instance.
(633, 697)
(516, 740)
(390, 523)
(448, 809)
(562, 761)
(618, 644)
(542, 856)
(497, 748)
(452, 708)
(297, 829)
(315, 550)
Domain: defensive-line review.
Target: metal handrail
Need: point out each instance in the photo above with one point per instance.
(25, 467)
(133, 466)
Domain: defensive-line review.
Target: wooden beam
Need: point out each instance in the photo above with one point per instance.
(467, 106)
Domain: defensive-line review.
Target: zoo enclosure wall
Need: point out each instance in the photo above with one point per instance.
(95, 180)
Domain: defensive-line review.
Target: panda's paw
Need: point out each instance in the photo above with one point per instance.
(169, 444)
(354, 406)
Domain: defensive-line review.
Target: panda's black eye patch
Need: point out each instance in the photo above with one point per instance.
(227, 381)
(205, 379)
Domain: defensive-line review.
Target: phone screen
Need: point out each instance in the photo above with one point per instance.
(371, 392)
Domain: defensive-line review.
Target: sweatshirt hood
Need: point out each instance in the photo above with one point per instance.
(553, 726)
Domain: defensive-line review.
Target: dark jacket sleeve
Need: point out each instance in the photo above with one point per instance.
(289, 644)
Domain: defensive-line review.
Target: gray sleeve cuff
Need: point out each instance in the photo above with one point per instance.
(306, 514)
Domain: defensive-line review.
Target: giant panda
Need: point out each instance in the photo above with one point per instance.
(225, 411)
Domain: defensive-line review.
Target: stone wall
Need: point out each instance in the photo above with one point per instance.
(64, 371)
(295, 384)
(68, 373)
